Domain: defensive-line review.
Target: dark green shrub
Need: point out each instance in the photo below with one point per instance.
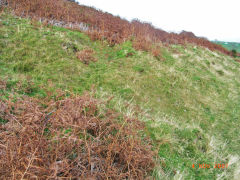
(234, 53)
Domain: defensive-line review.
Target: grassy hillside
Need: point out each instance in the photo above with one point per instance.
(189, 98)
(229, 45)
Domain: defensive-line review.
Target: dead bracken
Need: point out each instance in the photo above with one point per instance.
(104, 26)
(69, 138)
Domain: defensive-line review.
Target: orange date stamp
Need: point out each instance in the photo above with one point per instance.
(208, 166)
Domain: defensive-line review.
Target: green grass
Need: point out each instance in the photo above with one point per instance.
(229, 45)
(190, 101)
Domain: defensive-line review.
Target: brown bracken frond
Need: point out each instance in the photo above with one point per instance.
(69, 138)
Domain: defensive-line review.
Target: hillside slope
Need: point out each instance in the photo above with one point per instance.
(189, 97)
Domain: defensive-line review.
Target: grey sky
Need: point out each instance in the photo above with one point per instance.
(214, 19)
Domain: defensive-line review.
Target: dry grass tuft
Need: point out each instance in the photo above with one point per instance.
(70, 138)
(142, 45)
(86, 56)
(156, 52)
(3, 85)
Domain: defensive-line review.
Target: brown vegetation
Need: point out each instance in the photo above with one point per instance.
(141, 44)
(104, 26)
(86, 56)
(3, 85)
(156, 52)
(67, 138)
